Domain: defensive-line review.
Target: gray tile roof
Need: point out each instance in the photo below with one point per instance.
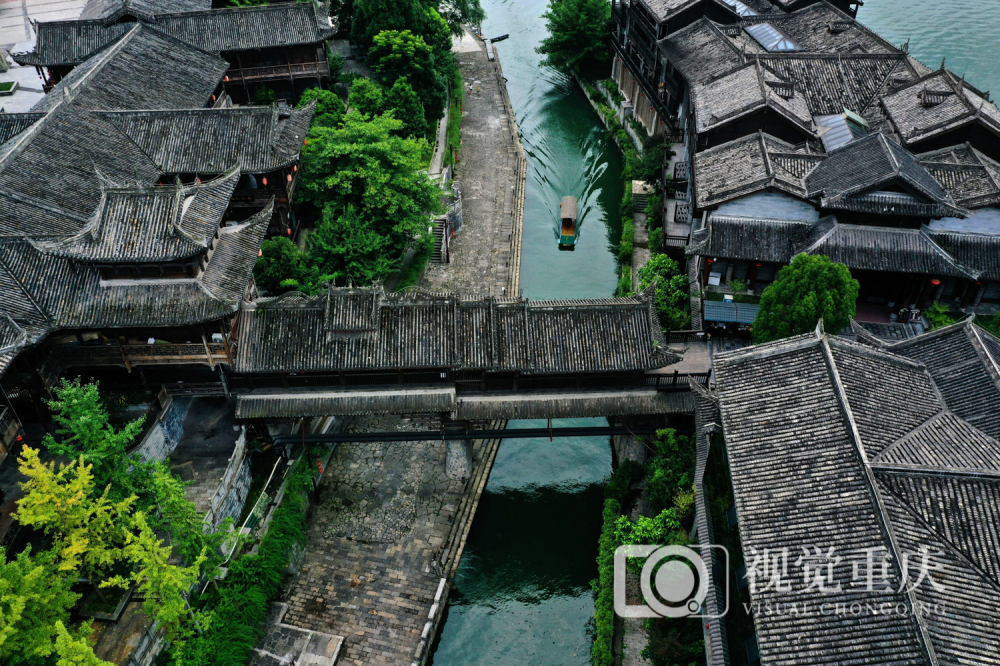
(214, 30)
(257, 139)
(109, 10)
(143, 224)
(746, 90)
(12, 124)
(749, 239)
(972, 179)
(825, 452)
(850, 176)
(810, 29)
(888, 249)
(832, 82)
(747, 165)
(936, 104)
(701, 52)
(979, 250)
(349, 329)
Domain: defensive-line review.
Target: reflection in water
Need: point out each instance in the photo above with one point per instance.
(522, 593)
(569, 154)
(966, 32)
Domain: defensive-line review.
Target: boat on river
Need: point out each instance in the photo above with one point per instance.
(568, 235)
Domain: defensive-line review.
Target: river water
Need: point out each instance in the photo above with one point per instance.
(522, 592)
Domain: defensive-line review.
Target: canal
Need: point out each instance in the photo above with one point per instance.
(522, 591)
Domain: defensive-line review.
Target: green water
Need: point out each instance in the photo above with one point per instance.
(522, 592)
(965, 32)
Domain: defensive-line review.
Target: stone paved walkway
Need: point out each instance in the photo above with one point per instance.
(485, 255)
(368, 572)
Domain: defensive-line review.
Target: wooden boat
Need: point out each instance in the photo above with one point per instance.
(567, 211)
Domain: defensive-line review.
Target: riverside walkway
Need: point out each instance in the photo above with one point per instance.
(387, 536)
(486, 252)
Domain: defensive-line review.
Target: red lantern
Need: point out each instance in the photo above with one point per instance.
(305, 142)
(289, 177)
(264, 180)
(260, 253)
(319, 463)
(227, 79)
(759, 265)
(213, 98)
(197, 180)
(295, 167)
(289, 231)
(935, 282)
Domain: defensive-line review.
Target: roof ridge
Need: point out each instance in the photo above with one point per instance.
(880, 514)
(948, 542)
(928, 335)
(875, 352)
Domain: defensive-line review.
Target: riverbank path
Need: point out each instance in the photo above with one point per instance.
(486, 252)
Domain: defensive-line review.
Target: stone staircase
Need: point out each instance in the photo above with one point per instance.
(440, 254)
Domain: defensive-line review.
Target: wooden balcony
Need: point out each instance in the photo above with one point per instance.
(128, 356)
(286, 72)
(258, 198)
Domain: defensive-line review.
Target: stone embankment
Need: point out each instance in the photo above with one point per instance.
(486, 252)
(392, 519)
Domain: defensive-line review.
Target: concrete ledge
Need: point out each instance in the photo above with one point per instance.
(278, 403)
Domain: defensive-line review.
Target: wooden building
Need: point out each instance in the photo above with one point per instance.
(885, 507)
(280, 46)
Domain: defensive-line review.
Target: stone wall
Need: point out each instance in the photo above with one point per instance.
(163, 437)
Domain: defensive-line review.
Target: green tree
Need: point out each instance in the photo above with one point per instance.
(348, 250)
(34, 596)
(374, 16)
(365, 166)
(809, 289)
(163, 585)
(86, 531)
(403, 54)
(366, 97)
(329, 107)
(85, 430)
(578, 34)
(672, 298)
(406, 107)
(281, 267)
(75, 650)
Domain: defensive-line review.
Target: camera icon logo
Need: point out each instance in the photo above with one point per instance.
(674, 580)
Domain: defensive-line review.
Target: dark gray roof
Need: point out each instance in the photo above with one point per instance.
(749, 239)
(751, 164)
(810, 28)
(172, 75)
(258, 139)
(832, 82)
(888, 249)
(701, 52)
(964, 361)
(149, 224)
(214, 30)
(349, 329)
(110, 10)
(72, 295)
(937, 103)
(972, 179)
(742, 92)
(979, 250)
(50, 174)
(817, 434)
(12, 124)
(855, 177)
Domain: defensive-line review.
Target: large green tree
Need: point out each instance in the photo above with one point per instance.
(672, 299)
(406, 106)
(809, 289)
(365, 166)
(404, 55)
(374, 16)
(366, 97)
(578, 34)
(329, 107)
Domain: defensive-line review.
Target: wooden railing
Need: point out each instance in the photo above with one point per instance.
(212, 354)
(677, 381)
(295, 70)
(686, 336)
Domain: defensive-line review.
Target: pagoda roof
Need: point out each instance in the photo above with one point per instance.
(212, 30)
(367, 329)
